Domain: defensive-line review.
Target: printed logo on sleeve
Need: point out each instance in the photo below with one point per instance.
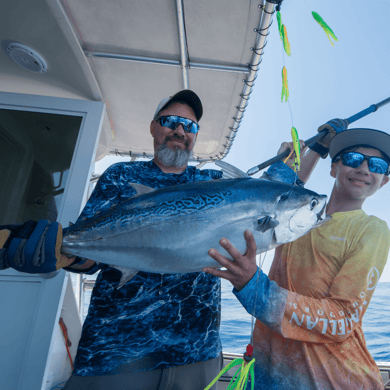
(372, 278)
(338, 323)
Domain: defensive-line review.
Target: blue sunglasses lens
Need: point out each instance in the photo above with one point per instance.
(375, 164)
(352, 160)
(378, 165)
(173, 121)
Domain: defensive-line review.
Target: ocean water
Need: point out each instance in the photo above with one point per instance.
(376, 324)
(236, 323)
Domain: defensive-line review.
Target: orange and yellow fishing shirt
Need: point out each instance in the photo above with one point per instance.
(309, 329)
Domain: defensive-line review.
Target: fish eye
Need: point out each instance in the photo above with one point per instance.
(313, 204)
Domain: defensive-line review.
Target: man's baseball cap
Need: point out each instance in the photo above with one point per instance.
(186, 96)
(360, 137)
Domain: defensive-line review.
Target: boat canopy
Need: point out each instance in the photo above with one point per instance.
(130, 54)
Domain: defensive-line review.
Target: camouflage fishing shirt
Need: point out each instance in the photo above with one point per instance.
(153, 321)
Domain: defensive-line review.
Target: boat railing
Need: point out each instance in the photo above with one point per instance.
(384, 368)
(81, 284)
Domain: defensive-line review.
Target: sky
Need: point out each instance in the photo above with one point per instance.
(325, 82)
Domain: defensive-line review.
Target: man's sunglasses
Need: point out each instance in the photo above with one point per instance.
(173, 121)
(355, 159)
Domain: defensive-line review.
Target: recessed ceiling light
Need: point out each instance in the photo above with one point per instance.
(26, 57)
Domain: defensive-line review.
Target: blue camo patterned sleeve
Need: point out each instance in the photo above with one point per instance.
(207, 173)
(107, 192)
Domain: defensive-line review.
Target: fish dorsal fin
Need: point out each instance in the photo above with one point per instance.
(265, 223)
(141, 189)
(230, 171)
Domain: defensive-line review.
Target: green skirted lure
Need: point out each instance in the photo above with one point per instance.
(297, 148)
(283, 34)
(240, 378)
(280, 24)
(328, 31)
(285, 92)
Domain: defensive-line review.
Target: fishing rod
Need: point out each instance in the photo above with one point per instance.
(317, 137)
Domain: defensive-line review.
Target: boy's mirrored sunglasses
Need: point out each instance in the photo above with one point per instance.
(355, 159)
(173, 121)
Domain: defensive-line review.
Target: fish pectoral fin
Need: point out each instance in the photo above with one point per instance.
(265, 223)
(127, 275)
(141, 189)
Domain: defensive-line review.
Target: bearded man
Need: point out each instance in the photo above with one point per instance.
(157, 331)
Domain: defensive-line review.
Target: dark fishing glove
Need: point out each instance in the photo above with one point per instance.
(334, 127)
(32, 247)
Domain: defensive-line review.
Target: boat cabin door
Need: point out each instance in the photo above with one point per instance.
(47, 151)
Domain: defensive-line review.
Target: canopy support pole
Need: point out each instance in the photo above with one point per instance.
(183, 42)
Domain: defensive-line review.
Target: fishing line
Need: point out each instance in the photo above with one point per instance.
(286, 49)
(287, 196)
(307, 5)
(240, 378)
(285, 88)
(261, 263)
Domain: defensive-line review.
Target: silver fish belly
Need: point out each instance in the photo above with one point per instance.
(170, 230)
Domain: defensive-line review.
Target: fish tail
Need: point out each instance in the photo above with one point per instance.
(328, 31)
(285, 91)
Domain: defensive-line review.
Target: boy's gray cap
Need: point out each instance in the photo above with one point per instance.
(355, 137)
(187, 96)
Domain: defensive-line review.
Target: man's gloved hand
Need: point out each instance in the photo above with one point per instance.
(32, 247)
(334, 127)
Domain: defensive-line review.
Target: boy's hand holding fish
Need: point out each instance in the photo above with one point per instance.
(240, 271)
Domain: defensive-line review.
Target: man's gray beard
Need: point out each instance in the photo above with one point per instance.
(172, 158)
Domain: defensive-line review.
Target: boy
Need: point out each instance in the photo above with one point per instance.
(309, 311)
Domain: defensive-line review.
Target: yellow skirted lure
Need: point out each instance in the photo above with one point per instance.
(286, 43)
(297, 148)
(283, 34)
(285, 92)
(328, 31)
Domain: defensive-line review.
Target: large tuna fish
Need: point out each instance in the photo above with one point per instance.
(170, 230)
